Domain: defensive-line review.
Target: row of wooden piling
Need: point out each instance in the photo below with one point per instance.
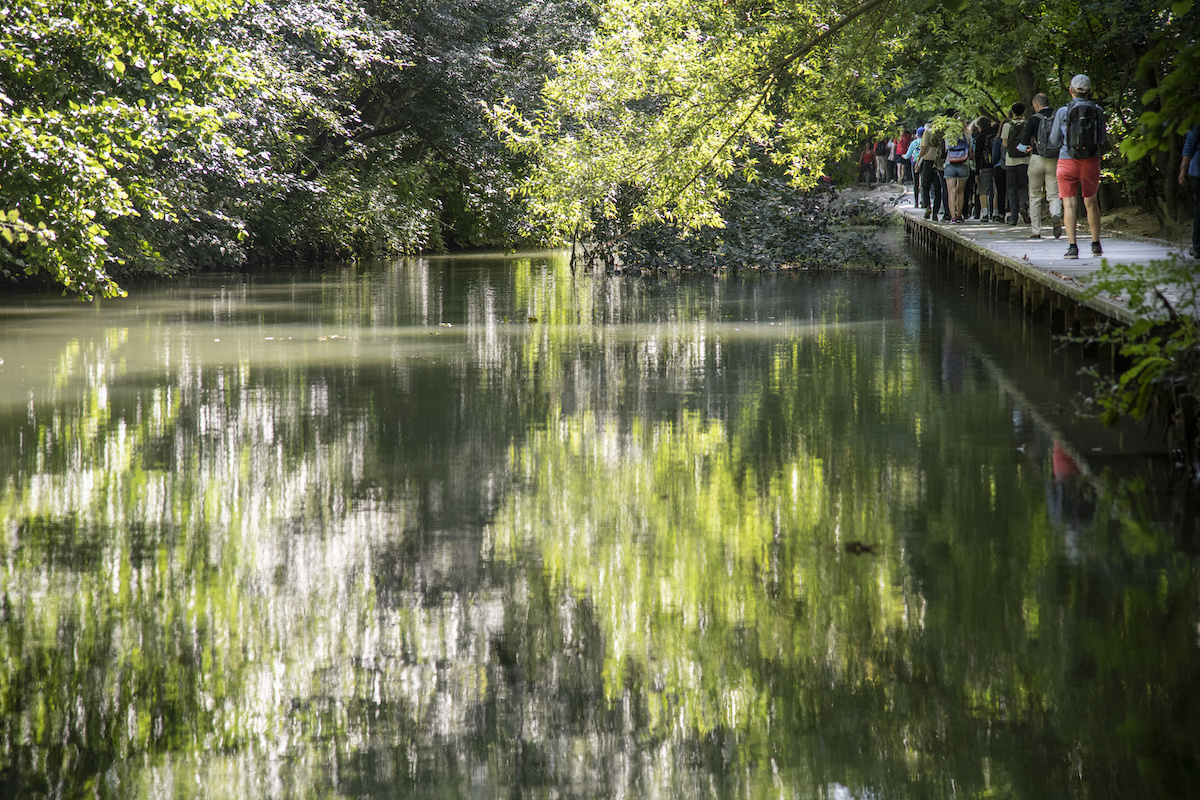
(1043, 297)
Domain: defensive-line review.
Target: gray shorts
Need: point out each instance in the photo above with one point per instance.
(984, 182)
(960, 171)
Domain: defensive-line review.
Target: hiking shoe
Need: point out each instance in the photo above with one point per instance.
(928, 213)
(1072, 252)
(1025, 217)
(1035, 236)
(1057, 226)
(1097, 250)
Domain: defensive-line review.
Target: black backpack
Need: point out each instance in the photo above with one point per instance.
(985, 150)
(1015, 131)
(881, 148)
(1045, 128)
(1083, 130)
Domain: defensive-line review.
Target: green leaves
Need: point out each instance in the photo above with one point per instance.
(92, 120)
(1160, 344)
(669, 98)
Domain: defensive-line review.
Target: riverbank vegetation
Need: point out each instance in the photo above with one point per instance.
(145, 138)
(142, 137)
(1158, 379)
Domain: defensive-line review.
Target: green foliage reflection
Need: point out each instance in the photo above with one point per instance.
(687, 538)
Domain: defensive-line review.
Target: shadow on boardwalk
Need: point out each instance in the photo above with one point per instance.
(1037, 260)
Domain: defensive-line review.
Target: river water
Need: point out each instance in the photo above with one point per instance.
(476, 527)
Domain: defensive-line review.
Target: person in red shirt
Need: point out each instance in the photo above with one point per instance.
(903, 167)
(866, 164)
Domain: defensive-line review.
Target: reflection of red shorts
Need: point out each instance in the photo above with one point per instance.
(1078, 173)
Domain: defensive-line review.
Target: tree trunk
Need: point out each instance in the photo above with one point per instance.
(1026, 84)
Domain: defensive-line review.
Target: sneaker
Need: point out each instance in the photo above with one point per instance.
(1025, 217)
(1035, 236)
(1012, 222)
(927, 213)
(1057, 226)
(1097, 250)
(1072, 252)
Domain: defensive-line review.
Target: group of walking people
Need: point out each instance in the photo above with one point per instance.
(1005, 170)
(884, 160)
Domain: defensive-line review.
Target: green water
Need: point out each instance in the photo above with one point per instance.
(479, 528)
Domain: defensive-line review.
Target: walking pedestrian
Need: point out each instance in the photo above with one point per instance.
(984, 166)
(931, 179)
(881, 165)
(1079, 131)
(957, 169)
(866, 164)
(913, 154)
(1189, 175)
(903, 164)
(1016, 165)
(1000, 195)
(1043, 168)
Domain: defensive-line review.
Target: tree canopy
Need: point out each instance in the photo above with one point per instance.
(94, 107)
(139, 137)
(671, 97)
(143, 137)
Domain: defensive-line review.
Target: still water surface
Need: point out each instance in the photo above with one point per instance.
(477, 528)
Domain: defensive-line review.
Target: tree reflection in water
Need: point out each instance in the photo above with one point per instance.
(378, 533)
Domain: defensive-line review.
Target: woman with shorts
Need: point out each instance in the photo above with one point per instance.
(958, 169)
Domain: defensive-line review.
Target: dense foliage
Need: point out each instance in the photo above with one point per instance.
(672, 98)
(766, 224)
(1160, 379)
(144, 138)
(140, 137)
(96, 107)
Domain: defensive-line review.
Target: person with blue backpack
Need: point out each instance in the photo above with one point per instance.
(1079, 132)
(957, 169)
(913, 156)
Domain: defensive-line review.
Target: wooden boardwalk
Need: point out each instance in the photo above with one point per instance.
(1033, 272)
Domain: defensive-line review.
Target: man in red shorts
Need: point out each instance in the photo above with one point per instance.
(1079, 132)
